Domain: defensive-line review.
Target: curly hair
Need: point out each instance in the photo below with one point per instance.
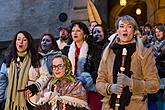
(11, 53)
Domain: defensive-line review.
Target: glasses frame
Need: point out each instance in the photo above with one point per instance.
(58, 67)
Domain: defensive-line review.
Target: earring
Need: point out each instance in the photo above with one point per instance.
(118, 39)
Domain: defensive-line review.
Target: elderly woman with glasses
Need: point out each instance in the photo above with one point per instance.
(64, 92)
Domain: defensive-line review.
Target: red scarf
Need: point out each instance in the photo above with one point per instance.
(77, 52)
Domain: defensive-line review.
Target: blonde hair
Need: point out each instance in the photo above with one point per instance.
(127, 18)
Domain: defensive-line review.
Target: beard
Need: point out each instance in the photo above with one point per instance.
(64, 37)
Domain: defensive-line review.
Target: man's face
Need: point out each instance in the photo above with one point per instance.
(147, 30)
(64, 34)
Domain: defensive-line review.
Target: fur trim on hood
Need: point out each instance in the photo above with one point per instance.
(81, 58)
(113, 38)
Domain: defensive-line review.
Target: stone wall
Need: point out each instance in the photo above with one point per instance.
(155, 11)
(37, 17)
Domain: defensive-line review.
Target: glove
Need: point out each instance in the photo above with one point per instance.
(82, 79)
(124, 80)
(31, 90)
(116, 88)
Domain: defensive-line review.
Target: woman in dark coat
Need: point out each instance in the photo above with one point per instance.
(159, 48)
(83, 56)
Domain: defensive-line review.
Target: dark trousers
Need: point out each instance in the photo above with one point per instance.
(2, 105)
(29, 106)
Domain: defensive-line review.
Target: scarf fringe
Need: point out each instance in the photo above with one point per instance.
(14, 98)
(16, 107)
(52, 52)
(73, 101)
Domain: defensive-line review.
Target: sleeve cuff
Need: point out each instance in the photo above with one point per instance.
(108, 89)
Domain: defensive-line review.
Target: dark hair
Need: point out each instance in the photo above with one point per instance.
(54, 43)
(81, 26)
(12, 50)
(148, 25)
(65, 27)
(162, 29)
(158, 24)
(104, 29)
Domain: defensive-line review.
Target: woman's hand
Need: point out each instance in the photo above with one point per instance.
(116, 88)
(31, 90)
(28, 93)
(124, 80)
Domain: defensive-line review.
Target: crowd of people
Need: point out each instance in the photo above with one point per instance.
(87, 68)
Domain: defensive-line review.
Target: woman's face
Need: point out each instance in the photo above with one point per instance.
(58, 67)
(98, 33)
(21, 43)
(158, 34)
(125, 31)
(77, 34)
(46, 43)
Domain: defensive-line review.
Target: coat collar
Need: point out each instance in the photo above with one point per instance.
(81, 58)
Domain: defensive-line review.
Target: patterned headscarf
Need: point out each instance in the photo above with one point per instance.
(68, 70)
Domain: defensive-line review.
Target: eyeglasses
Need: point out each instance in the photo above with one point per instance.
(58, 67)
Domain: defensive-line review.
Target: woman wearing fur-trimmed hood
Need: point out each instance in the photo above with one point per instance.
(83, 55)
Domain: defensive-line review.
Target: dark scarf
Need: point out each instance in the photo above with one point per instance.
(126, 94)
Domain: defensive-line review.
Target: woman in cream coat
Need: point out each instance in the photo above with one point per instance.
(26, 74)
